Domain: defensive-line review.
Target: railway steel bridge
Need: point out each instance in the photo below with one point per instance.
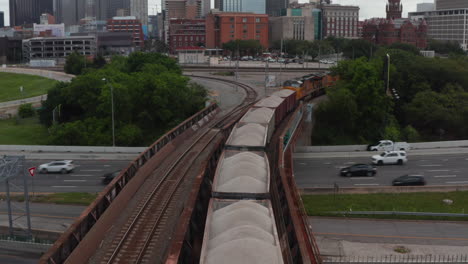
(155, 210)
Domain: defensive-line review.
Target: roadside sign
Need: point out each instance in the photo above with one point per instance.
(31, 171)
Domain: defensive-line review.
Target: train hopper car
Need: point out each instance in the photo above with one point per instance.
(248, 136)
(261, 115)
(241, 175)
(274, 102)
(289, 96)
(240, 232)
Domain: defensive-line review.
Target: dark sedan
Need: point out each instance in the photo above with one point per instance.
(409, 180)
(108, 177)
(359, 170)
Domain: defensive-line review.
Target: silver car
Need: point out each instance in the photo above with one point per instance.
(62, 166)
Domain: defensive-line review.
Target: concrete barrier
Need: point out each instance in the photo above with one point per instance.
(59, 76)
(383, 189)
(352, 148)
(71, 149)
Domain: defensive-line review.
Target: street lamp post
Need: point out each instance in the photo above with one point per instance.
(388, 73)
(112, 106)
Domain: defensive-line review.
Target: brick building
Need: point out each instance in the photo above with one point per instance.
(186, 33)
(224, 27)
(383, 31)
(127, 24)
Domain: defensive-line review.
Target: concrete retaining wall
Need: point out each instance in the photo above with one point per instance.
(73, 149)
(59, 76)
(351, 148)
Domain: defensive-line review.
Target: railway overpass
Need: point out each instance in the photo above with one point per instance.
(155, 210)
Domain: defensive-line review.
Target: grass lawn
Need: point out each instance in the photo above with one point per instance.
(74, 198)
(26, 131)
(33, 86)
(323, 205)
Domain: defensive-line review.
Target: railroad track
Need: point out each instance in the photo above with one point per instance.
(251, 97)
(142, 234)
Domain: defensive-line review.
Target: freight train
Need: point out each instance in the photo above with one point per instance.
(311, 85)
(241, 225)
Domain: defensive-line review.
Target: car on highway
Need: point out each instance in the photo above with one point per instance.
(359, 170)
(108, 177)
(390, 157)
(387, 145)
(409, 180)
(62, 166)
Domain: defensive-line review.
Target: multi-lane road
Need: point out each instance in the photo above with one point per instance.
(437, 170)
(86, 177)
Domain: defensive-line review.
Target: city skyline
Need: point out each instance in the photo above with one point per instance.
(368, 9)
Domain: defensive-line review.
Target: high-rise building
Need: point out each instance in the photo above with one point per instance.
(115, 6)
(127, 24)
(451, 4)
(2, 19)
(28, 11)
(394, 9)
(275, 7)
(340, 21)
(446, 24)
(249, 6)
(423, 7)
(188, 9)
(139, 9)
(69, 12)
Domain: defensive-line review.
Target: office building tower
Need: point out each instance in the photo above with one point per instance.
(424, 7)
(69, 12)
(139, 9)
(241, 6)
(450, 4)
(340, 21)
(118, 8)
(2, 19)
(28, 11)
(275, 7)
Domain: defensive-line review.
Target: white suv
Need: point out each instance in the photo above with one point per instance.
(62, 166)
(390, 157)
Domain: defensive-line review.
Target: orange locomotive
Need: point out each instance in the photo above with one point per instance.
(311, 85)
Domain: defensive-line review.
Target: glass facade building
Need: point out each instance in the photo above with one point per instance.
(243, 6)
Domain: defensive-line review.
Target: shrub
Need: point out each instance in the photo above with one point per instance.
(26, 110)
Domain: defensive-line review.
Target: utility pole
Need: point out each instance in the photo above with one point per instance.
(112, 109)
(281, 68)
(266, 76)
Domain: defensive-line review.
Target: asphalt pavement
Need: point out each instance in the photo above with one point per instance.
(445, 170)
(86, 177)
(370, 237)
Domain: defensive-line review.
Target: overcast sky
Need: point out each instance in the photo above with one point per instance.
(369, 8)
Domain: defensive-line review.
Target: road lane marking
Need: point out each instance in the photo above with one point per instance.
(445, 176)
(81, 175)
(457, 182)
(42, 215)
(107, 165)
(327, 163)
(63, 186)
(300, 163)
(437, 170)
(91, 170)
(403, 237)
(340, 167)
(431, 165)
(367, 184)
(363, 178)
(74, 180)
(349, 162)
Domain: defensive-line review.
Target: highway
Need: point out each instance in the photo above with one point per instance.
(86, 177)
(437, 169)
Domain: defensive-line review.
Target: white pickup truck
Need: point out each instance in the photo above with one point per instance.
(388, 145)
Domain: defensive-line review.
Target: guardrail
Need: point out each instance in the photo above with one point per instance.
(413, 146)
(398, 213)
(392, 259)
(70, 239)
(303, 247)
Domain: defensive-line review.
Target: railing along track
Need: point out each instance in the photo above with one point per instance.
(156, 205)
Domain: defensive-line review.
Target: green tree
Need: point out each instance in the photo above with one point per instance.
(357, 48)
(75, 63)
(445, 47)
